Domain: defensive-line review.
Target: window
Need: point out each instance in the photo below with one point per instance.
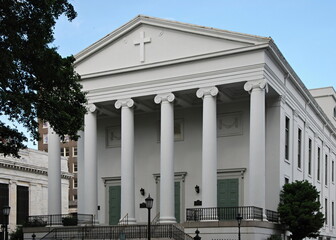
(65, 152)
(326, 170)
(309, 156)
(22, 204)
(75, 167)
(287, 138)
(332, 214)
(75, 197)
(318, 163)
(74, 151)
(4, 199)
(75, 183)
(326, 211)
(45, 138)
(299, 147)
(286, 180)
(332, 171)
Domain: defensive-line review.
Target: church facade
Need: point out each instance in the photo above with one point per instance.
(199, 118)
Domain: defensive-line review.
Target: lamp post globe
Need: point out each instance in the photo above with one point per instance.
(149, 202)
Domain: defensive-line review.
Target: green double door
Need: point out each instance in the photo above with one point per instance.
(114, 204)
(227, 198)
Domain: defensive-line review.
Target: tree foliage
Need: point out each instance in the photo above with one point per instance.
(35, 81)
(299, 209)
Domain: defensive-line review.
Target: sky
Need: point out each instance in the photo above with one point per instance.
(303, 30)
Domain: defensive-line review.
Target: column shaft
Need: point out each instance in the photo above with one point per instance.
(90, 161)
(80, 173)
(209, 147)
(54, 173)
(127, 159)
(257, 169)
(167, 203)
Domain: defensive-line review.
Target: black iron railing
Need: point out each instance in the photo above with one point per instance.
(118, 232)
(272, 216)
(224, 213)
(72, 219)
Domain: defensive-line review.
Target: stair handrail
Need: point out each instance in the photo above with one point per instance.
(114, 232)
(156, 219)
(124, 220)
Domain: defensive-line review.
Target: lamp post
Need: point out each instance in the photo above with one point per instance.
(149, 205)
(239, 219)
(5, 212)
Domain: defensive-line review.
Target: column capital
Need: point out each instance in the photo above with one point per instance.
(164, 97)
(261, 84)
(127, 102)
(212, 91)
(91, 108)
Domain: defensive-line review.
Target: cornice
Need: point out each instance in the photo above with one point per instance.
(181, 175)
(246, 73)
(274, 50)
(30, 168)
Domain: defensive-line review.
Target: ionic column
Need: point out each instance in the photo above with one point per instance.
(80, 173)
(209, 146)
(257, 157)
(167, 203)
(127, 159)
(54, 173)
(90, 161)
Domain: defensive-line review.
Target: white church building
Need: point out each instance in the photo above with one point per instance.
(210, 123)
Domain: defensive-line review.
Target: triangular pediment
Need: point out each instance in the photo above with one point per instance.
(145, 41)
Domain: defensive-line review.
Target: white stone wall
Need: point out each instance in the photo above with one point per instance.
(31, 171)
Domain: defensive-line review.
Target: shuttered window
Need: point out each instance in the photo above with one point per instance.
(4, 199)
(22, 204)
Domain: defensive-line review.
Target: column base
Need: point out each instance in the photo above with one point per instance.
(167, 220)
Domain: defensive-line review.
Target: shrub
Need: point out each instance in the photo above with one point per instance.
(36, 222)
(17, 234)
(70, 221)
(274, 237)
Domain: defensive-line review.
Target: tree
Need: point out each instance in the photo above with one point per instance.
(299, 209)
(35, 81)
